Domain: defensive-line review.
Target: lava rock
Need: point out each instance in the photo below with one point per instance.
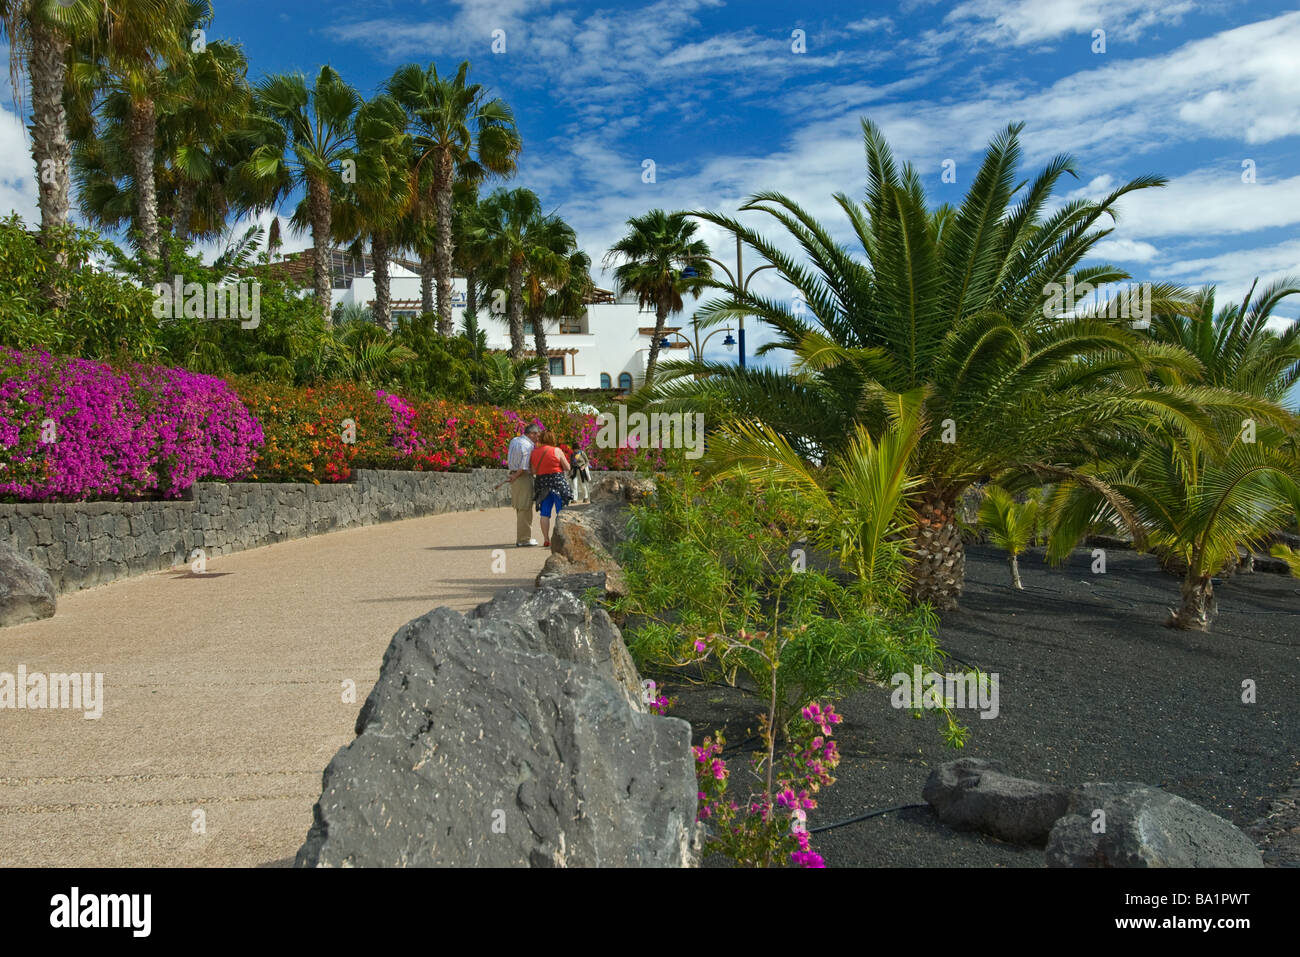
(26, 590)
(972, 794)
(510, 737)
(1145, 827)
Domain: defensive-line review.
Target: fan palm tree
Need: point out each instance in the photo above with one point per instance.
(508, 227)
(506, 380)
(1012, 526)
(201, 106)
(40, 35)
(303, 137)
(371, 209)
(127, 56)
(955, 301)
(459, 132)
(659, 261)
(552, 247)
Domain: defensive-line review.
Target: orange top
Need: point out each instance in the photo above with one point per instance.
(545, 460)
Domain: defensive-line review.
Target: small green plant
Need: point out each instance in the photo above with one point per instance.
(1012, 526)
(720, 582)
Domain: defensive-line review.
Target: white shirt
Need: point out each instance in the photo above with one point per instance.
(519, 453)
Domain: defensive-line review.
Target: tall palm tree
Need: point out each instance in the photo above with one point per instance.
(201, 107)
(955, 301)
(505, 220)
(127, 56)
(552, 252)
(371, 209)
(40, 35)
(460, 132)
(303, 137)
(660, 261)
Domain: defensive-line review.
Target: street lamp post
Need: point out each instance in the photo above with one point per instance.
(697, 347)
(741, 282)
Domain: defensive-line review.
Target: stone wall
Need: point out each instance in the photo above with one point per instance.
(82, 544)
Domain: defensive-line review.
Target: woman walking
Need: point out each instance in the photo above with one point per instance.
(551, 489)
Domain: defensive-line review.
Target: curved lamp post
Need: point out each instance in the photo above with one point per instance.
(741, 282)
(697, 347)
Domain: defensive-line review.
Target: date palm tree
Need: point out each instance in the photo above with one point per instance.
(1012, 526)
(459, 132)
(552, 254)
(304, 138)
(955, 301)
(660, 261)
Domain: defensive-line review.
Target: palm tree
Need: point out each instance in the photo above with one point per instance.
(40, 35)
(201, 106)
(507, 228)
(1195, 505)
(303, 137)
(459, 133)
(1012, 526)
(506, 380)
(1235, 347)
(954, 301)
(552, 253)
(126, 56)
(660, 261)
(371, 209)
(858, 499)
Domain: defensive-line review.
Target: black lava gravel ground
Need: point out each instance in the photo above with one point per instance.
(1091, 687)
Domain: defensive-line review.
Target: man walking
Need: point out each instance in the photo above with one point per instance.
(521, 483)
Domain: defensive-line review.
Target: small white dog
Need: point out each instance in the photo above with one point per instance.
(580, 476)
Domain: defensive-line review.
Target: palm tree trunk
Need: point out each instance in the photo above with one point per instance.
(1015, 573)
(1199, 606)
(142, 137)
(515, 312)
(383, 295)
(51, 150)
(471, 293)
(186, 195)
(442, 248)
(318, 198)
(539, 336)
(938, 558)
(426, 281)
(661, 319)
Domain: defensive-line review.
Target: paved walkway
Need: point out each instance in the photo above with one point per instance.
(223, 692)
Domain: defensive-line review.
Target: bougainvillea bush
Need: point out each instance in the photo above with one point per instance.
(75, 429)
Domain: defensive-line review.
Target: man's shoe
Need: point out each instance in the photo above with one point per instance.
(530, 542)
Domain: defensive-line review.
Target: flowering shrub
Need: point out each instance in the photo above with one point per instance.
(73, 429)
(771, 827)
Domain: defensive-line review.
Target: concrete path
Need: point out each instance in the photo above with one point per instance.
(223, 692)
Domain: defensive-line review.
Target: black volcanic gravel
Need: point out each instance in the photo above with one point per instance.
(1092, 687)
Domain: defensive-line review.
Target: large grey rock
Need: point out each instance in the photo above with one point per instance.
(26, 590)
(513, 736)
(976, 795)
(1145, 827)
(585, 540)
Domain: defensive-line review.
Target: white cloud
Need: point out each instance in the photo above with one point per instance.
(1025, 22)
(1124, 250)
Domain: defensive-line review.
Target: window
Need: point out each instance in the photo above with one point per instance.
(528, 327)
(605, 381)
(557, 365)
(625, 381)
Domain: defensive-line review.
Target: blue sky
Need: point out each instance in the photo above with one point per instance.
(714, 93)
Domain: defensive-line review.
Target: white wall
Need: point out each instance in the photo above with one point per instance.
(611, 343)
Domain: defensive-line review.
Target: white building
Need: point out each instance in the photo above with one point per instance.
(604, 348)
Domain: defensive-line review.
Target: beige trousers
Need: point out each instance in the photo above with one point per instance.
(521, 497)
